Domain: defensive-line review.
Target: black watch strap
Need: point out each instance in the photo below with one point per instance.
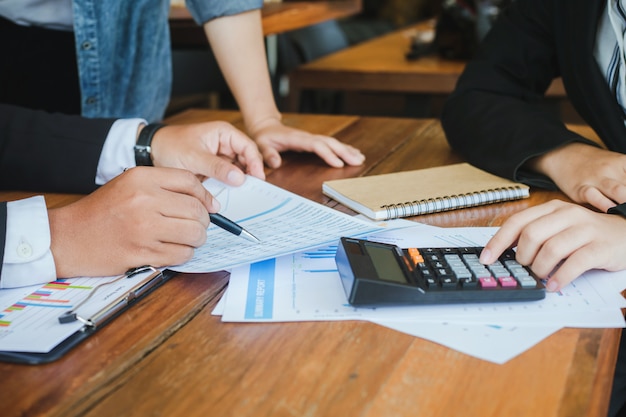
(143, 148)
(618, 209)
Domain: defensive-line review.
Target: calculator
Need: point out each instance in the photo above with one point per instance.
(379, 274)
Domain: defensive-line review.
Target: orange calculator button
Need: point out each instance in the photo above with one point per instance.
(415, 255)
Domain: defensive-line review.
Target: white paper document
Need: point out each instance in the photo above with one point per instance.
(306, 286)
(493, 343)
(284, 223)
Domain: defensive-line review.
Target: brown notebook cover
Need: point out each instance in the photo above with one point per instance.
(423, 191)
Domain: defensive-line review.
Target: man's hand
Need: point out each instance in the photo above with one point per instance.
(586, 174)
(556, 232)
(274, 137)
(145, 216)
(212, 149)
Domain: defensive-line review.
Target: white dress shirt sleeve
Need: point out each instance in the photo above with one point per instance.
(118, 152)
(27, 256)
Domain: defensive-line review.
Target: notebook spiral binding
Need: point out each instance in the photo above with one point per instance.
(452, 202)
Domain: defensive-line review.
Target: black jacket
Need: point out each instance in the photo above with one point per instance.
(49, 152)
(495, 117)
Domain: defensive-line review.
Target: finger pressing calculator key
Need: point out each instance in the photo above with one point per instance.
(376, 274)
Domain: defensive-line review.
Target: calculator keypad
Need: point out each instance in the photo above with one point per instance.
(459, 268)
(382, 274)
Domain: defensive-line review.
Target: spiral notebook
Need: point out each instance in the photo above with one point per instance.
(423, 191)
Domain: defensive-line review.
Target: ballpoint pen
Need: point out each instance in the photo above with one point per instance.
(232, 227)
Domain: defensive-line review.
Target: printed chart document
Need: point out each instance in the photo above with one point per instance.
(305, 286)
(29, 316)
(489, 342)
(283, 221)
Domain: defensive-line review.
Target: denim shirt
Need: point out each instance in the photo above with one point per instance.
(124, 53)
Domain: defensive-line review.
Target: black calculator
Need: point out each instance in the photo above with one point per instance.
(378, 274)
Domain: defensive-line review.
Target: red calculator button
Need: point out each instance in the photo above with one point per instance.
(508, 282)
(488, 282)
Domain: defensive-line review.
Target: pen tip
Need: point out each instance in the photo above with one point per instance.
(250, 236)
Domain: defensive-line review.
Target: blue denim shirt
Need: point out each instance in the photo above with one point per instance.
(124, 54)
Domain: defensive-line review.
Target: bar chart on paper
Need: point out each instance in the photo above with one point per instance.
(299, 286)
(30, 310)
(316, 264)
(29, 316)
(307, 286)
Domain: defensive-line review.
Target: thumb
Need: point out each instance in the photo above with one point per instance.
(271, 156)
(224, 171)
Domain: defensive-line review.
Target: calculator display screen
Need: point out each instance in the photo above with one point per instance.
(386, 264)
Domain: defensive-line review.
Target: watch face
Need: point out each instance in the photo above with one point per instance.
(142, 155)
(142, 147)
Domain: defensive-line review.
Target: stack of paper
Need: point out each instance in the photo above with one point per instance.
(306, 286)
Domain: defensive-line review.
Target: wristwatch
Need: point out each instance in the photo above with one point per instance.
(143, 149)
(618, 209)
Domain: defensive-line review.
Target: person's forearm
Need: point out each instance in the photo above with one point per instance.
(551, 163)
(243, 62)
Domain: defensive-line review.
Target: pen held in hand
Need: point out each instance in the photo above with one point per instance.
(232, 227)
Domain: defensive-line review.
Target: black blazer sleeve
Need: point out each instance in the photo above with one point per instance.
(41, 151)
(495, 117)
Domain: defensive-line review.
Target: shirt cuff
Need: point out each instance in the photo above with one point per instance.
(118, 152)
(27, 259)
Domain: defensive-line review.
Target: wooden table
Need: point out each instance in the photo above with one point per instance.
(379, 65)
(277, 18)
(169, 356)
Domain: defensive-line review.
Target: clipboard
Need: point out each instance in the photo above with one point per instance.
(94, 322)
